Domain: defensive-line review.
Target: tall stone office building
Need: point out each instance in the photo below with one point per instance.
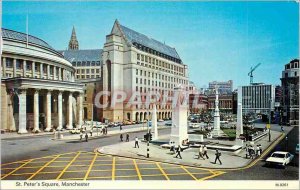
(135, 62)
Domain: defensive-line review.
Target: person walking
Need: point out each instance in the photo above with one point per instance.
(218, 154)
(120, 127)
(205, 152)
(86, 137)
(178, 151)
(257, 150)
(281, 128)
(127, 137)
(81, 134)
(200, 153)
(121, 137)
(136, 142)
(251, 152)
(247, 151)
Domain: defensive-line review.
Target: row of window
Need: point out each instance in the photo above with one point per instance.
(87, 71)
(86, 63)
(157, 53)
(147, 59)
(87, 76)
(159, 76)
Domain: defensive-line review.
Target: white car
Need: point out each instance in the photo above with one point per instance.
(280, 158)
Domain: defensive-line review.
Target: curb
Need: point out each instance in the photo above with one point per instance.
(250, 164)
(102, 136)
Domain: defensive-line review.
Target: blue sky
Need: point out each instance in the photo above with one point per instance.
(217, 40)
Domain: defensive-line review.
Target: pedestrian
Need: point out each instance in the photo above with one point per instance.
(251, 152)
(260, 150)
(86, 137)
(81, 135)
(136, 142)
(127, 137)
(257, 150)
(178, 151)
(281, 128)
(200, 153)
(121, 137)
(106, 130)
(172, 147)
(120, 127)
(91, 132)
(218, 154)
(247, 151)
(205, 152)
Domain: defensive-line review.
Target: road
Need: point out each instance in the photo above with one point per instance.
(260, 172)
(25, 148)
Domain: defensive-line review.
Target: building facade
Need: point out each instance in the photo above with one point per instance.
(290, 93)
(87, 62)
(134, 62)
(223, 87)
(257, 98)
(225, 102)
(38, 91)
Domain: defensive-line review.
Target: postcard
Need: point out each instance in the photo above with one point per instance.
(149, 95)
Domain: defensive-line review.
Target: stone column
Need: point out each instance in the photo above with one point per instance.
(59, 101)
(36, 111)
(22, 111)
(4, 67)
(41, 71)
(48, 71)
(54, 72)
(59, 73)
(80, 109)
(48, 111)
(14, 68)
(33, 69)
(24, 68)
(70, 113)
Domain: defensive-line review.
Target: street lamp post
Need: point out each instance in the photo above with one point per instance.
(270, 120)
(148, 131)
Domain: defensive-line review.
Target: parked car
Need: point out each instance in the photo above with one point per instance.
(75, 131)
(280, 158)
(168, 123)
(297, 149)
(160, 120)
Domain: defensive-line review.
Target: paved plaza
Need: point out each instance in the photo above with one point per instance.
(189, 156)
(95, 166)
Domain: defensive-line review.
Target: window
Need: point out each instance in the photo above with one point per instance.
(97, 71)
(98, 63)
(142, 56)
(136, 71)
(141, 72)
(18, 64)
(82, 71)
(83, 63)
(93, 63)
(138, 56)
(93, 71)
(9, 63)
(87, 71)
(88, 63)
(136, 80)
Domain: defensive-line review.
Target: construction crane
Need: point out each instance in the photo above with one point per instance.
(251, 72)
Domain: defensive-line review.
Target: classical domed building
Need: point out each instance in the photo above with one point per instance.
(38, 90)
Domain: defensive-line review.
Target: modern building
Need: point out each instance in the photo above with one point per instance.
(257, 98)
(290, 93)
(134, 62)
(223, 87)
(38, 90)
